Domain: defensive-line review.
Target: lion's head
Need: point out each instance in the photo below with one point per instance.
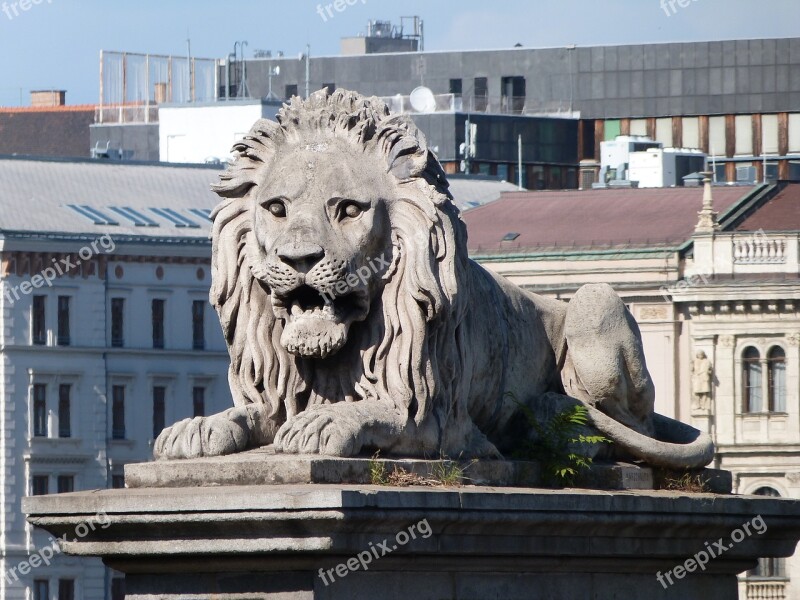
(336, 257)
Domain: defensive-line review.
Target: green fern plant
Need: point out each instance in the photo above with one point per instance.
(377, 471)
(554, 446)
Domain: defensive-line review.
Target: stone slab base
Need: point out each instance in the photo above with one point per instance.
(264, 467)
(362, 542)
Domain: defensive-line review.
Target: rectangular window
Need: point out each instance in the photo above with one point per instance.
(691, 132)
(513, 94)
(481, 94)
(752, 387)
(66, 483)
(40, 485)
(638, 126)
(118, 481)
(117, 322)
(664, 131)
(118, 588)
(41, 589)
(769, 134)
(66, 589)
(39, 410)
(290, 91)
(198, 325)
(717, 136)
(199, 401)
(64, 411)
(63, 321)
(331, 87)
(38, 328)
(158, 323)
(159, 409)
(794, 132)
(118, 412)
(456, 85)
(744, 135)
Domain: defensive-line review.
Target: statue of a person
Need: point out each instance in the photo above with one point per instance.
(702, 370)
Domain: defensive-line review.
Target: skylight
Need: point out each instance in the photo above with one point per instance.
(94, 215)
(203, 213)
(134, 216)
(510, 237)
(174, 217)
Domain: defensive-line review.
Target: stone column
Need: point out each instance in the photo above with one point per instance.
(725, 400)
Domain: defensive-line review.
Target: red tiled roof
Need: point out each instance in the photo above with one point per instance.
(58, 131)
(781, 213)
(591, 218)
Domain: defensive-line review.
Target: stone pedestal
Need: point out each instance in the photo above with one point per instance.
(293, 541)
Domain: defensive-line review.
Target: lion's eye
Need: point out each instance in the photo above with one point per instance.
(277, 209)
(351, 210)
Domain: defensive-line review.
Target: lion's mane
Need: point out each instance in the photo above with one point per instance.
(410, 350)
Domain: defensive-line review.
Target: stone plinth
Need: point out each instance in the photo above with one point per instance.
(264, 466)
(269, 542)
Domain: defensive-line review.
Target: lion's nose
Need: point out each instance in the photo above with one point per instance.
(302, 256)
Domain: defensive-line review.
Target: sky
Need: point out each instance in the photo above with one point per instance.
(55, 44)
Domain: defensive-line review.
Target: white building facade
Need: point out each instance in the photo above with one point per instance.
(107, 336)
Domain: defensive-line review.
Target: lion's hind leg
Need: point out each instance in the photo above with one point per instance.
(605, 364)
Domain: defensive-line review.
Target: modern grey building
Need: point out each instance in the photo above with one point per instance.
(739, 101)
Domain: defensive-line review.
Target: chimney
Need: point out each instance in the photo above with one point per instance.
(48, 98)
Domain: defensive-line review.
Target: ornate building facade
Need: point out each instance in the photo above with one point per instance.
(717, 298)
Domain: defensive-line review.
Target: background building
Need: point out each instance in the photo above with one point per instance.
(107, 335)
(726, 285)
(735, 100)
(48, 127)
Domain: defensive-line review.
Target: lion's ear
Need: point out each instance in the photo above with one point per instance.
(405, 147)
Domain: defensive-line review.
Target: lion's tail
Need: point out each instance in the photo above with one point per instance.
(676, 446)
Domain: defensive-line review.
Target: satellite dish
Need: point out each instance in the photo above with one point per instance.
(277, 70)
(422, 100)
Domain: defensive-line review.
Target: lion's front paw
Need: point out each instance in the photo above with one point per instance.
(323, 430)
(216, 435)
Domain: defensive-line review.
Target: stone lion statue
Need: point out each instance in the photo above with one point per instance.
(356, 322)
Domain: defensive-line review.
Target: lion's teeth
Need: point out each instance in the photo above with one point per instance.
(296, 310)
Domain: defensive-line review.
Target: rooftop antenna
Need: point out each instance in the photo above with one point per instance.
(189, 95)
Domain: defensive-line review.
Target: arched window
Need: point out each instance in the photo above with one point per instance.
(776, 365)
(751, 381)
(768, 567)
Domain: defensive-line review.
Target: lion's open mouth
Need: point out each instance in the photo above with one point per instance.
(316, 323)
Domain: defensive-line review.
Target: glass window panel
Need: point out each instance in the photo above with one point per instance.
(159, 409)
(38, 327)
(744, 135)
(717, 138)
(63, 321)
(769, 132)
(664, 131)
(117, 322)
(118, 412)
(64, 411)
(638, 126)
(777, 379)
(794, 132)
(751, 366)
(691, 132)
(39, 410)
